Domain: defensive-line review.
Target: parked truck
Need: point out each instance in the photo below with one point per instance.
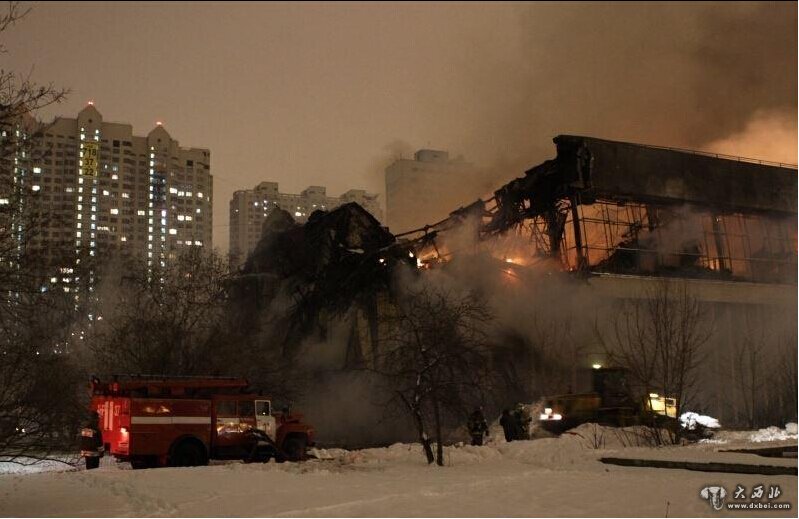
(154, 421)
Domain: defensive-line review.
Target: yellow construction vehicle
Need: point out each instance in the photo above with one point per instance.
(610, 403)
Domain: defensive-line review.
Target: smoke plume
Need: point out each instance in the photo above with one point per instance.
(715, 76)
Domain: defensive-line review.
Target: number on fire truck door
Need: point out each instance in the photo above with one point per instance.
(263, 417)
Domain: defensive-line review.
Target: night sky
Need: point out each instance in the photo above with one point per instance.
(328, 94)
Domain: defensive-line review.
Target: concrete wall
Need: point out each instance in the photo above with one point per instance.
(752, 348)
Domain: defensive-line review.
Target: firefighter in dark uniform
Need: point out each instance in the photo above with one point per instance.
(523, 422)
(91, 442)
(478, 427)
(509, 426)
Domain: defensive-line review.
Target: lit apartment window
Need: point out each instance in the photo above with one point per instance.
(173, 231)
(140, 212)
(37, 169)
(114, 210)
(35, 188)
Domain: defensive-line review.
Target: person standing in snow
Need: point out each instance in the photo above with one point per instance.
(523, 421)
(478, 427)
(91, 442)
(509, 426)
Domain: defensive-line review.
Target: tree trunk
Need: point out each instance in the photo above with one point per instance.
(439, 445)
(419, 422)
(428, 450)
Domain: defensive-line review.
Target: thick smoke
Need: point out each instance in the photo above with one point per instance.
(672, 74)
(770, 136)
(714, 76)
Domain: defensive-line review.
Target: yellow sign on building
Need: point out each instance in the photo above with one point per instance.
(90, 164)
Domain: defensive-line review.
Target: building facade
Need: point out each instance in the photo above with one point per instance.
(249, 208)
(100, 191)
(424, 189)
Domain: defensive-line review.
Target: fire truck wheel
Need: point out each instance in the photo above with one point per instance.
(92, 462)
(188, 454)
(144, 462)
(294, 448)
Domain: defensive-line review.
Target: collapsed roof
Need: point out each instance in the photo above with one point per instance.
(590, 169)
(337, 259)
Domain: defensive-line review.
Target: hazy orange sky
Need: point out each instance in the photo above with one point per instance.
(325, 94)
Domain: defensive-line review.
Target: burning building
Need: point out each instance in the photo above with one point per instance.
(621, 217)
(605, 222)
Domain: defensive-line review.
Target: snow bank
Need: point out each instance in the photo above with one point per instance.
(24, 465)
(770, 434)
(690, 420)
(552, 477)
(580, 446)
(577, 447)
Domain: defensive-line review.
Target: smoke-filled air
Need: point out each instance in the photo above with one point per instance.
(368, 259)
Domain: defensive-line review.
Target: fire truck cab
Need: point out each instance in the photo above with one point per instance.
(185, 421)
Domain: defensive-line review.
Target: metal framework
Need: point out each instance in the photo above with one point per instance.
(560, 212)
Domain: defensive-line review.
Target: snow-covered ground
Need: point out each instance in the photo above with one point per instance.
(544, 477)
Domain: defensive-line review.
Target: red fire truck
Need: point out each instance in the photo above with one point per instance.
(185, 421)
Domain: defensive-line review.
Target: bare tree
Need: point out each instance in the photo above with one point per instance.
(162, 320)
(39, 403)
(787, 380)
(435, 359)
(659, 337)
(750, 364)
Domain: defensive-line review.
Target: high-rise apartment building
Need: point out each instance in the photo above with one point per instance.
(249, 208)
(423, 190)
(104, 192)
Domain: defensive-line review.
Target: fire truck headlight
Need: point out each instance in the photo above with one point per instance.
(556, 416)
(543, 416)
